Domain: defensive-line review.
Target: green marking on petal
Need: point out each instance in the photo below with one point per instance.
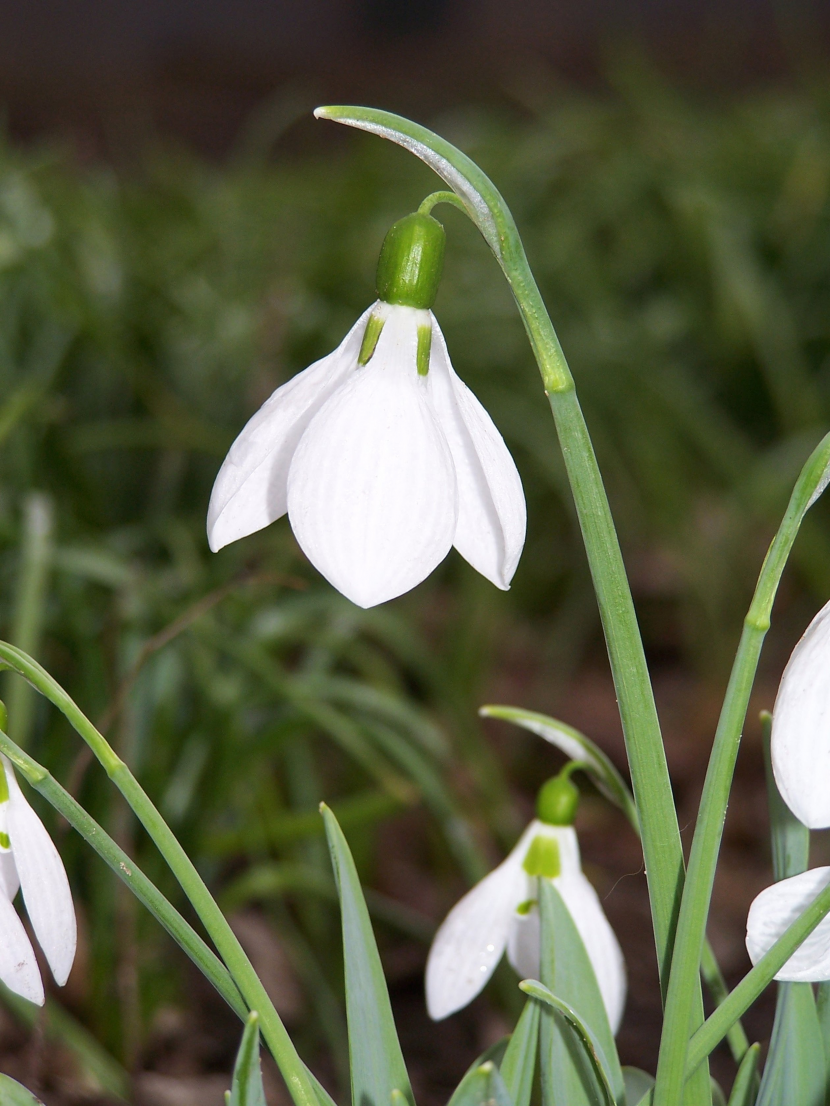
(5, 841)
(525, 907)
(543, 858)
(4, 786)
(370, 339)
(424, 348)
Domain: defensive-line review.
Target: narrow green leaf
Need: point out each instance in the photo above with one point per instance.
(718, 1097)
(567, 971)
(519, 1061)
(638, 1083)
(377, 1063)
(794, 1073)
(576, 746)
(744, 1087)
(247, 1088)
(581, 1091)
(481, 1086)
(13, 1094)
(323, 1096)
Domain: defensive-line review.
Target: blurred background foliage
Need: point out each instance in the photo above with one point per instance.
(683, 248)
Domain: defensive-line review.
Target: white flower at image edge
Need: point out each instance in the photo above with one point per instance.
(30, 862)
(774, 910)
(800, 740)
(474, 935)
(381, 469)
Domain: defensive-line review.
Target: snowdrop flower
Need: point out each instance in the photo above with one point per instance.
(379, 453)
(500, 913)
(775, 909)
(29, 861)
(800, 741)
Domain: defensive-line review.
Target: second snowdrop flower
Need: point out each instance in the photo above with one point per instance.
(30, 862)
(500, 913)
(380, 454)
(800, 741)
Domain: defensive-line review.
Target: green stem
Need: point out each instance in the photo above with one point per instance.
(717, 1025)
(440, 198)
(288, 1060)
(128, 871)
(694, 911)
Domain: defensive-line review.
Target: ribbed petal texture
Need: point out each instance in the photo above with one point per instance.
(492, 515)
(776, 908)
(251, 488)
(371, 490)
(800, 742)
(43, 882)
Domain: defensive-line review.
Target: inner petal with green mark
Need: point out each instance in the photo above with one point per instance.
(525, 907)
(543, 858)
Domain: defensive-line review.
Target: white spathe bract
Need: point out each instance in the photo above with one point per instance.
(32, 864)
(800, 741)
(775, 909)
(486, 922)
(380, 469)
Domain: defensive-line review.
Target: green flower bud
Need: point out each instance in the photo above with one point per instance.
(411, 261)
(557, 800)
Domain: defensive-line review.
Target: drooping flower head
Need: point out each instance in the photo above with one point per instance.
(379, 453)
(800, 740)
(501, 913)
(30, 862)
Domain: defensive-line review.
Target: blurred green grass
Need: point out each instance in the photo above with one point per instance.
(684, 252)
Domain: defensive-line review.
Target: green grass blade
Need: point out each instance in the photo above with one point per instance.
(247, 1088)
(481, 1086)
(746, 1080)
(13, 1094)
(377, 1064)
(519, 1062)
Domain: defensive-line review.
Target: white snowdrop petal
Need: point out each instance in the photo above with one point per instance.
(776, 908)
(371, 488)
(251, 487)
(44, 884)
(472, 938)
(9, 882)
(524, 939)
(18, 966)
(600, 942)
(800, 742)
(492, 515)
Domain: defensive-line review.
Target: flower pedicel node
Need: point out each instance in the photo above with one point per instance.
(380, 454)
(30, 862)
(501, 913)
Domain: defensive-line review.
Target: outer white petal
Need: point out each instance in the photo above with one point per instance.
(250, 489)
(43, 882)
(492, 515)
(594, 928)
(18, 967)
(775, 909)
(600, 942)
(801, 726)
(9, 882)
(371, 489)
(471, 939)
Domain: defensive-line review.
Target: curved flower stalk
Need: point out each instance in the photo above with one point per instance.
(775, 909)
(501, 913)
(379, 453)
(30, 862)
(800, 742)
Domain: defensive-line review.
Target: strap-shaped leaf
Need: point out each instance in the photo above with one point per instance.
(377, 1064)
(247, 1088)
(744, 1087)
(481, 1086)
(576, 746)
(795, 1071)
(579, 1092)
(519, 1061)
(13, 1094)
(638, 1083)
(567, 971)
